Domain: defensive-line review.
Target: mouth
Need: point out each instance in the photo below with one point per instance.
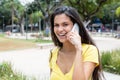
(63, 35)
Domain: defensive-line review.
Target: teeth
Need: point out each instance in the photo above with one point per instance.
(61, 34)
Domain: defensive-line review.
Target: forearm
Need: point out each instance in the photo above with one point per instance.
(78, 73)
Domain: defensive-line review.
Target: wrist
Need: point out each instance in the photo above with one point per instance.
(79, 49)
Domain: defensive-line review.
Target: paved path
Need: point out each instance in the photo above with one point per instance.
(31, 62)
(34, 62)
(105, 44)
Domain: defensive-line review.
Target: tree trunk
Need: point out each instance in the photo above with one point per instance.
(22, 27)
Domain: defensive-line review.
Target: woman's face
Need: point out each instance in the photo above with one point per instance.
(62, 25)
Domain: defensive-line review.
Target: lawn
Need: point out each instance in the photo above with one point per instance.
(14, 44)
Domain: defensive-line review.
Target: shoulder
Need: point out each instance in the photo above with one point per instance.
(90, 53)
(89, 47)
(53, 56)
(53, 52)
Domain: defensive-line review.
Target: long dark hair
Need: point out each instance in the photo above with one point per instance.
(85, 37)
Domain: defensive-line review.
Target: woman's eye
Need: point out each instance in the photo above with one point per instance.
(65, 25)
(56, 25)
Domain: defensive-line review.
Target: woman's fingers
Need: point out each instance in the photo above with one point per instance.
(74, 38)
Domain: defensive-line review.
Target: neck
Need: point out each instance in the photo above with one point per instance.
(68, 47)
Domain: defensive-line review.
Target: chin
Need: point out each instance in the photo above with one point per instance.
(63, 40)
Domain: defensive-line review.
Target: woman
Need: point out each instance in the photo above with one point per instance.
(75, 56)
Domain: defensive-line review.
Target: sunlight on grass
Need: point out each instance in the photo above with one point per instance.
(14, 44)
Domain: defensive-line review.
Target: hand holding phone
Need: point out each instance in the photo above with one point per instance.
(75, 28)
(75, 38)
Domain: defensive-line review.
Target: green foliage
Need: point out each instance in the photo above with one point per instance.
(2, 35)
(34, 17)
(118, 12)
(116, 60)
(111, 61)
(6, 73)
(106, 58)
(109, 10)
(9, 6)
(90, 8)
(87, 8)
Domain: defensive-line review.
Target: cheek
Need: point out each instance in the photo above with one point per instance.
(68, 29)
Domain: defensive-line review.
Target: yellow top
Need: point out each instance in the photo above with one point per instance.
(90, 53)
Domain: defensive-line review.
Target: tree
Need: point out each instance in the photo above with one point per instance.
(35, 18)
(45, 6)
(12, 10)
(109, 11)
(89, 8)
(118, 12)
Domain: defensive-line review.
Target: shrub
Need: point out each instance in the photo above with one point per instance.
(116, 60)
(111, 61)
(106, 58)
(6, 73)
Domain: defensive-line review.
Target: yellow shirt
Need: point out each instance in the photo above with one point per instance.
(90, 53)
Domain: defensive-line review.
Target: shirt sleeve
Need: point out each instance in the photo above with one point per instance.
(91, 55)
(52, 57)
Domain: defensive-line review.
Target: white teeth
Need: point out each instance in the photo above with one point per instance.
(61, 34)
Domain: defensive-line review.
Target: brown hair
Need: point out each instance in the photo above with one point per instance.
(85, 38)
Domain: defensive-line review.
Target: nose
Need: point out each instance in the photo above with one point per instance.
(60, 28)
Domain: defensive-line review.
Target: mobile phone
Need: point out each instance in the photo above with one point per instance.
(75, 28)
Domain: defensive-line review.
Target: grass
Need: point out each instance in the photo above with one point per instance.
(6, 73)
(106, 58)
(42, 41)
(16, 44)
(111, 61)
(2, 35)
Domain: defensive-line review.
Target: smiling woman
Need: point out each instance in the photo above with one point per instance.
(75, 56)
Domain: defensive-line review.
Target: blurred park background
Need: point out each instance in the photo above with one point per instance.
(25, 25)
(25, 16)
